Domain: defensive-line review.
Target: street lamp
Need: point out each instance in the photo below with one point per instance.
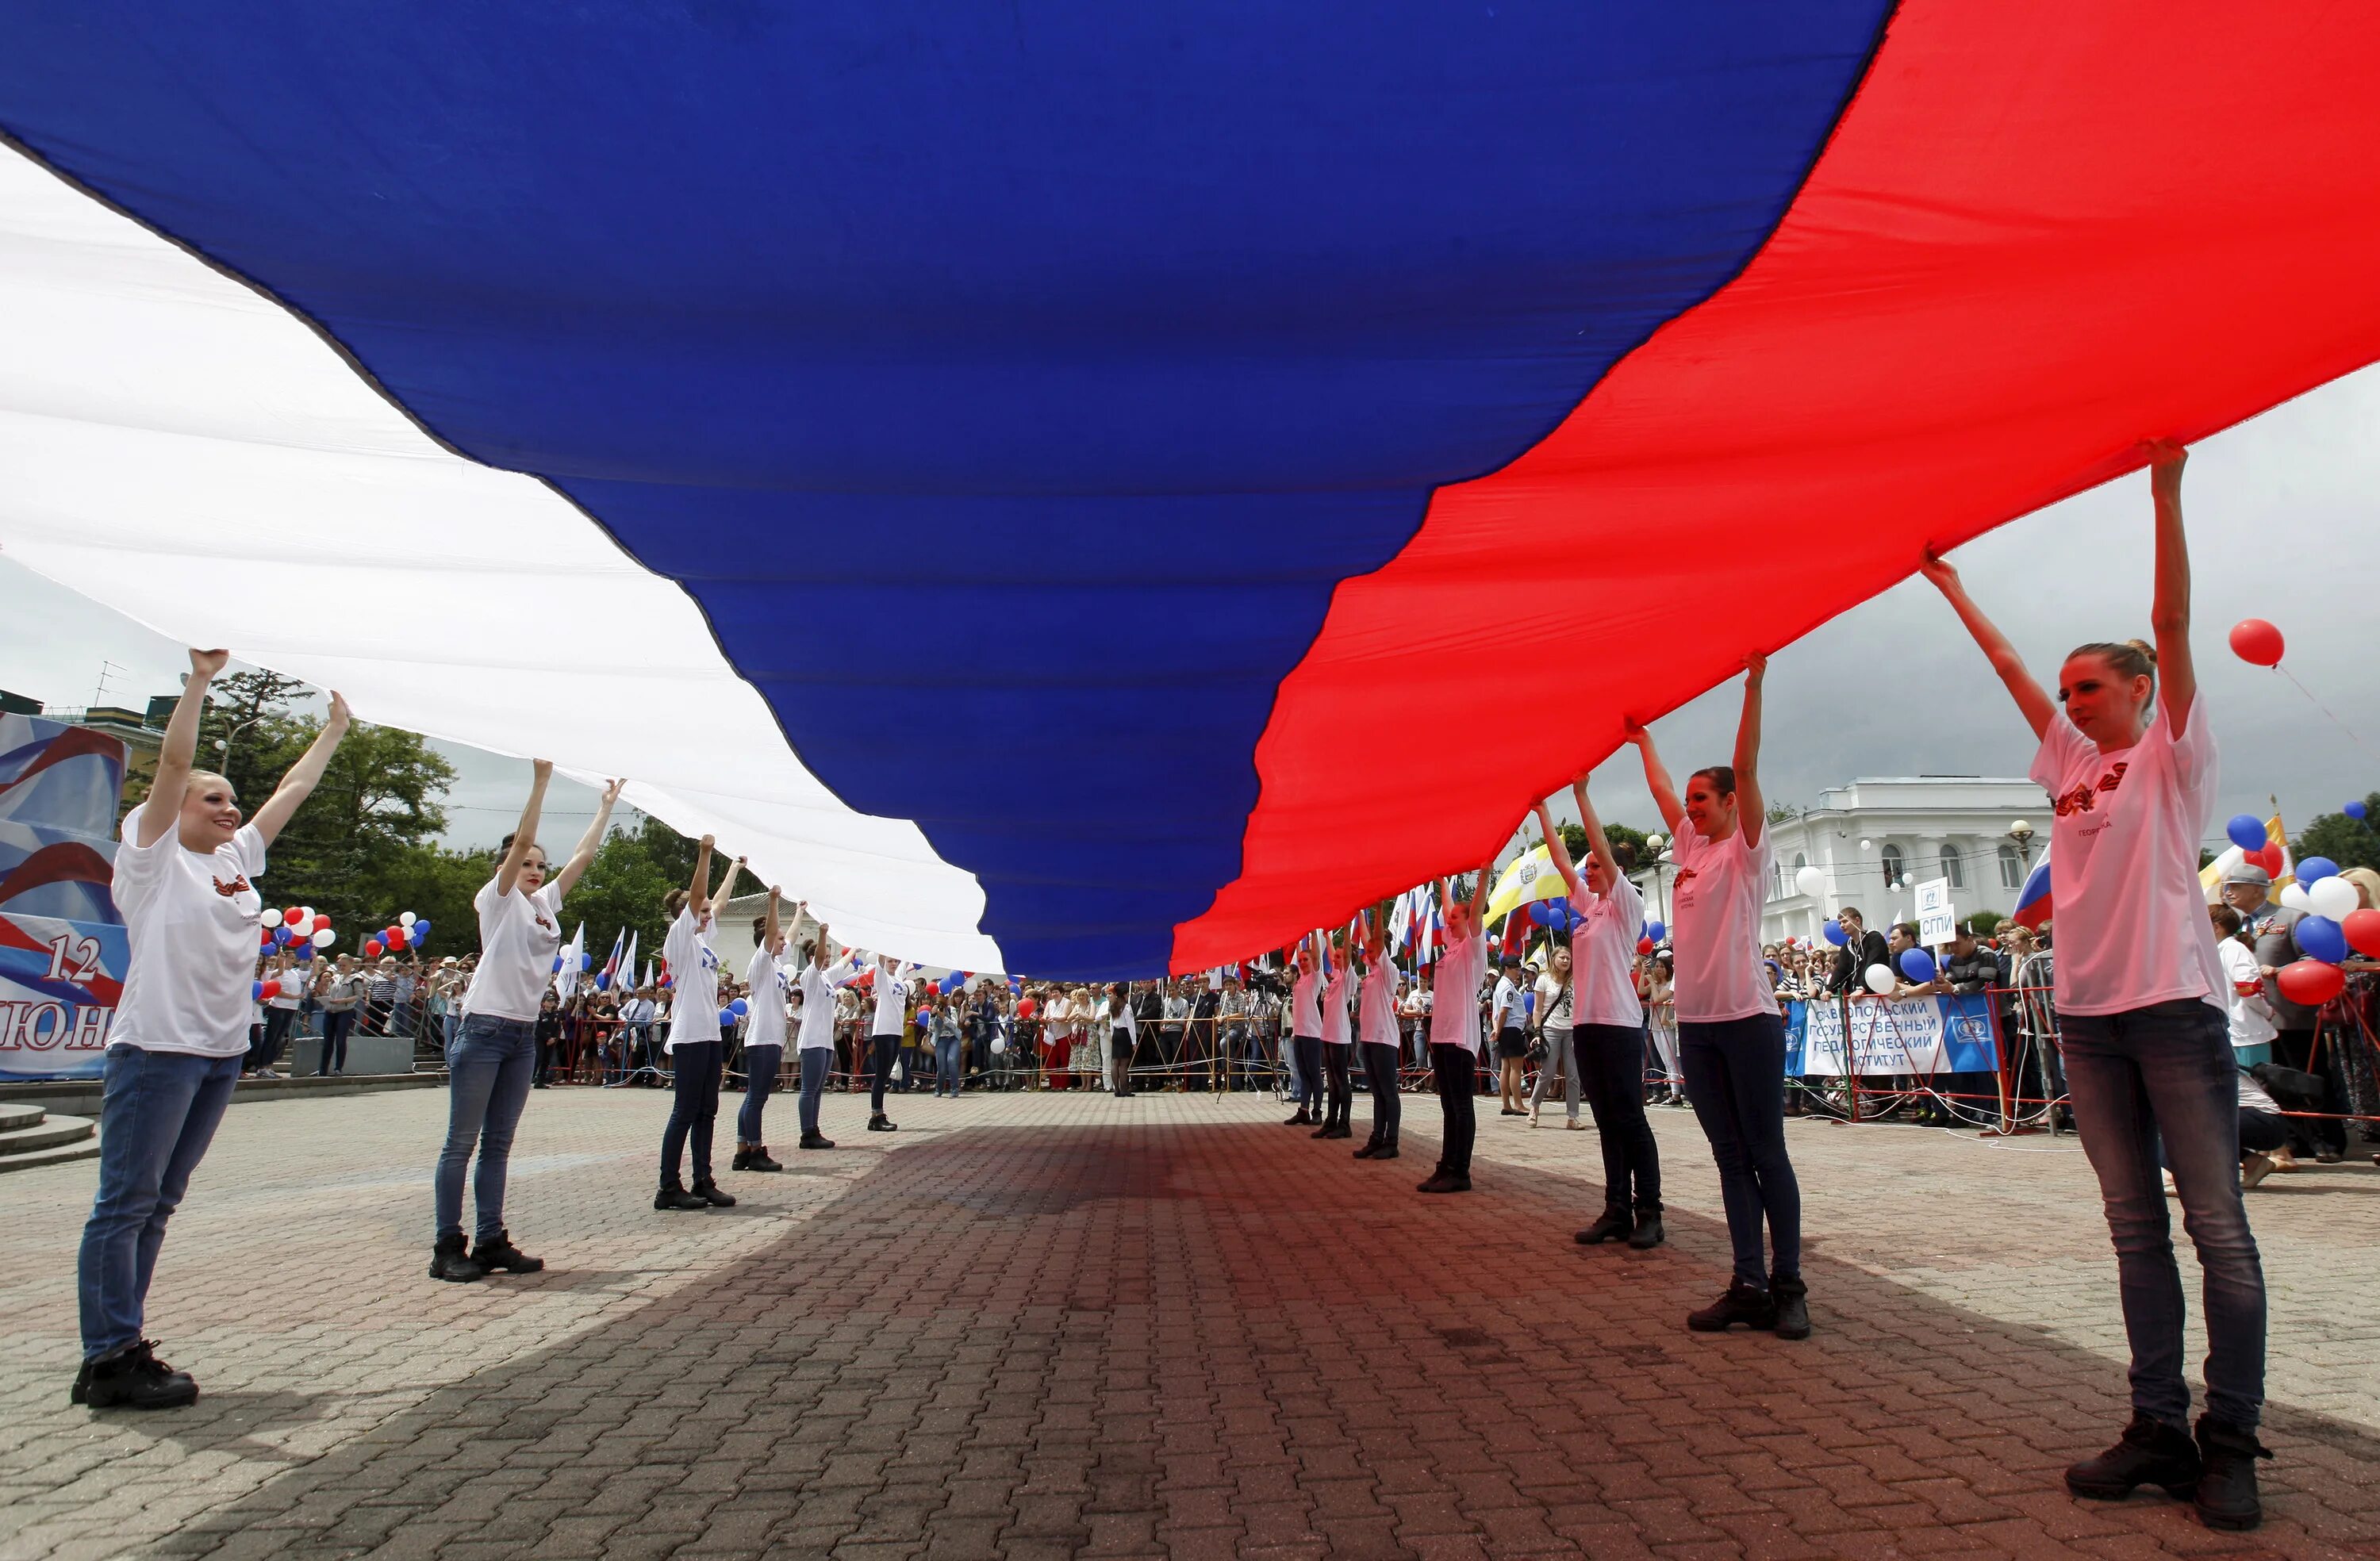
(2021, 832)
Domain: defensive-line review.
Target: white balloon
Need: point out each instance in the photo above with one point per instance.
(998, 1045)
(2334, 898)
(268, 920)
(1879, 979)
(325, 938)
(2294, 897)
(305, 914)
(407, 919)
(1810, 881)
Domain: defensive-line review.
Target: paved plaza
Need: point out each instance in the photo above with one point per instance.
(1060, 1325)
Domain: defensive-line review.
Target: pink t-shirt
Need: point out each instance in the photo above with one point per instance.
(1334, 1009)
(1715, 929)
(1454, 1017)
(2130, 916)
(1603, 955)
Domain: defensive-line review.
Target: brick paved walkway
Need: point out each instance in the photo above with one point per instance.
(1061, 1324)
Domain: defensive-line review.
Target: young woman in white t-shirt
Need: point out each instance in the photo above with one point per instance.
(2130, 768)
(488, 1067)
(1454, 1030)
(1376, 1038)
(764, 1036)
(186, 882)
(1730, 1036)
(695, 1052)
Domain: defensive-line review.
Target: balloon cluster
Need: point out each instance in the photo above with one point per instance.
(738, 1009)
(2334, 922)
(406, 932)
(1556, 915)
(298, 929)
(2249, 838)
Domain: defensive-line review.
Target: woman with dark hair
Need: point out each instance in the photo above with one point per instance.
(1454, 1031)
(1336, 1044)
(696, 1054)
(1375, 1031)
(2144, 1032)
(1730, 1036)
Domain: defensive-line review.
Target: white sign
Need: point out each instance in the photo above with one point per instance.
(1934, 912)
(1883, 1036)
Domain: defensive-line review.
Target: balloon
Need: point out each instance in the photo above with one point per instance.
(557, 962)
(281, 935)
(2257, 642)
(586, 960)
(1656, 931)
(2319, 938)
(2294, 897)
(392, 934)
(1810, 881)
(1917, 964)
(2313, 869)
(293, 915)
(739, 1008)
(2356, 810)
(2362, 929)
(2271, 860)
(1644, 945)
(407, 918)
(1835, 934)
(373, 948)
(1879, 979)
(2310, 982)
(268, 920)
(268, 989)
(420, 930)
(2336, 898)
(321, 924)
(2247, 831)
(998, 1045)
(324, 938)
(264, 939)
(1540, 912)
(256, 991)
(304, 953)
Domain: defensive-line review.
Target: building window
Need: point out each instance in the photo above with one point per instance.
(1801, 860)
(1950, 868)
(1895, 875)
(1776, 881)
(2011, 868)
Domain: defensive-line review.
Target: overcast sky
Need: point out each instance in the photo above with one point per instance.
(1892, 687)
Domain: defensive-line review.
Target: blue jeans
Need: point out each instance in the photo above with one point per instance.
(1308, 1085)
(2167, 1071)
(946, 1065)
(336, 1029)
(487, 1083)
(1611, 1070)
(760, 1065)
(816, 1063)
(693, 1106)
(158, 1112)
(1735, 1074)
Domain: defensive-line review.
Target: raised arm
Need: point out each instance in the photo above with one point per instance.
(1560, 854)
(697, 895)
(524, 832)
(727, 885)
(1657, 777)
(584, 857)
(162, 811)
(1751, 811)
(1596, 842)
(2038, 708)
(1481, 887)
(773, 937)
(299, 783)
(2169, 615)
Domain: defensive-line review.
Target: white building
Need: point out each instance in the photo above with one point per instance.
(1874, 839)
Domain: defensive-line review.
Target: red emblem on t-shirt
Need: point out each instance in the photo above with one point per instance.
(237, 886)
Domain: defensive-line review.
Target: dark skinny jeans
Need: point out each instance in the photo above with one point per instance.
(693, 1108)
(1611, 1073)
(1735, 1074)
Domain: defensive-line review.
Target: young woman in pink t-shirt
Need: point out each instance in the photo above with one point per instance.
(2143, 1030)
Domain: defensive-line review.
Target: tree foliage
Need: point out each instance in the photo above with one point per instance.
(1627, 844)
(2350, 842)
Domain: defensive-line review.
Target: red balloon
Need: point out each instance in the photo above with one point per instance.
(321, 923)
(2362, 929)
(1644, 945)
(268, 941)
(393, 935)
(2270, 858)
(2254, 640)
(2310, 982)
(271, 989)
(372, 947)
(293, 915)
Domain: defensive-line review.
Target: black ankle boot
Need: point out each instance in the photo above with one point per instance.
(501, 1253)
(1649, 1233)
(1748, 1304)
(673, 1196)
(1793, 1298)
(1371, 1148)
(759, 1159)
(880, 1123)
(743, 1160)
(451, 1261)
(2225, 1494)
(1610, 1226)
(2149, 1453)
(708, 1191)
(817, 1141)
(133, 1378)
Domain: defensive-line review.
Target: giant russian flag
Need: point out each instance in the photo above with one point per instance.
(1039, 474)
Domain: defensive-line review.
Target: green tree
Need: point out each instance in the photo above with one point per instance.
(1627, 844)
(360, 838)
(1784, 813)
(2350, 842)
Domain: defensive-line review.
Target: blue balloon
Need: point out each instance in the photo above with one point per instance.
(1656, 931)
(1835, 934)
(305, 953)
(420, 931)
(280, 933)
(604, 981)
(586, 960)
(739, 1008)
(2313, 869)
(1917, 964)
(557, 965)
(2356, 810)
(2319, 938)
(2247, 831)
(1542, 912)
(256, 992)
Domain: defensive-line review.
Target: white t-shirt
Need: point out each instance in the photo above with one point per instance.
(1603, 956)
(1715, 927)
(1124, 1021)
(766, 1007)
(694, 981)
(1305, 1005)
(1334, 1009)
(891, 996)
(292, 985)
(818, 1008)
(191, 920)
(1505, 1011)
(2131, 916)
(1376, 1006)
(2251, 1015)
(519, 936)
(1455, 1023)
